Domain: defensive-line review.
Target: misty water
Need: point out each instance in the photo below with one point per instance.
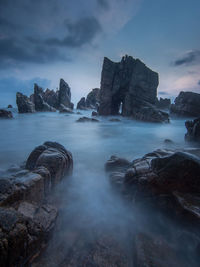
(88, 204)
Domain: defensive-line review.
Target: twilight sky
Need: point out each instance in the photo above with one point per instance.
(44, 40)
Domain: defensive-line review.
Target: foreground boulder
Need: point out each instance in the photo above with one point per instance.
(5, 114)
(186, 104)
(24, 104)
(26, 218)
(193, 130)
(162, 178)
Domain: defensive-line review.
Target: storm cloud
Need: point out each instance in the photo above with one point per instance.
(51, 30)
(189, 58)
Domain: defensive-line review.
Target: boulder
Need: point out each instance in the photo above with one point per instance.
(26, 218)
(86, 119)
(81, 104)
(10, 106)
(64, 95)
(5, 114)
(193, 130)
(24, 104)
(186, 104)
(163, 103)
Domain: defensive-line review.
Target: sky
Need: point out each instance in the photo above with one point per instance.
(44, 40)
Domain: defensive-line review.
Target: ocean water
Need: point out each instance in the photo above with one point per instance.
(88, 204)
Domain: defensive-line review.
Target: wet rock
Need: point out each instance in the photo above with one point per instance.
(64, 109)
(86, 119)
(193, 130)
(94, 113)
(115, 163)
(186, 104)
(114, 120)
(10, 106)
(4, 114)
(81, 104)
(64, 95)
(24, 104)
(131, 84)
(163, 103)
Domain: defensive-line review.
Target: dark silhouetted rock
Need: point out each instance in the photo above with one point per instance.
(5, 114)
(40, 104)
(163, 103)
(86, 119)
(64, 95)
(186, 104)
(51, 98)
(10, 106)
(92, 99)
(193, 130)
(81, 104)
(64, 109)
(94, 113)
(24, 104)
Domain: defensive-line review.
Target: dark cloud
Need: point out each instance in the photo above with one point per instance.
(189, 58)
(81, 32)
(104, 4)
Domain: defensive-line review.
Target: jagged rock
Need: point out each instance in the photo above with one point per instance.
(94, 113)
(24, 104)
(163, 103)
(10, 106)
(40, 104)
(129, 83)
(86, 119)
(92, 99)
(25, 221)
(51, 98)
(64, 95)
(64, 109)
(186, 104)
(81, 104)
(193, 130)
(5, 114)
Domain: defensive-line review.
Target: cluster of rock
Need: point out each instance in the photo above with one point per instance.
(91, 101)
(5, 114)
(163, 103)
(186, 104)
(48, 100)
(131, 86)
(26, 217)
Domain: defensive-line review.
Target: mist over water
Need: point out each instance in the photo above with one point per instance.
(89, 207)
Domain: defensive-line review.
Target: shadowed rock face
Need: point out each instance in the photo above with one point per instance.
(129, 83)
(186, 104)
(193, 130)
(81, 104)
(163, 103)
(64, 94)
(25, 105)
(91, 101)
(40, 104)
(5, 114)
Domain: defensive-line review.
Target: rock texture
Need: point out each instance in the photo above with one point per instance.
(193, 130)
(26, 218)
(163, 103)
(5, 114)
(130, 86)
(64, 95)
(24, 104)
(91, 101)
(86, 119)
(81, 104)
(40, 104)
(186, 104)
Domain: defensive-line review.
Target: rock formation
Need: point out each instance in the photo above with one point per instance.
(26, 218)
(91, 101)
(193, 130)
(5, 114)
(64, 95)
(25, 105)
(186, 104)
(10, 106)
(163, 103)
(86, 119)
(40, 104)
(130, 86)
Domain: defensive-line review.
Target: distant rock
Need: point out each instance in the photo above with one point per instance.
(114, 120)
(163, 103)
(64, 95)
(94, 113)
(24, 104)
(40, 104)
(168, 141)
(86, 119)
(81, 104)
(51, 98)
(10, 106)
(186, 104)
(193, 130)
(131, 86)
(5, 114)
(64, 109)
